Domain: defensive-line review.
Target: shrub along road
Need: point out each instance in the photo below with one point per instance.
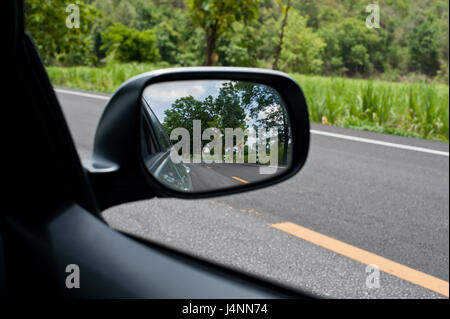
(369, 200)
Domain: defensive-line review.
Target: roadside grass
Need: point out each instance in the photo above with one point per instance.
(103, 79)
(418, 110)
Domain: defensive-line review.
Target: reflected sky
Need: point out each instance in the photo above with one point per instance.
(161, 96)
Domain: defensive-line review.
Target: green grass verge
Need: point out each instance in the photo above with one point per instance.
(418, 110)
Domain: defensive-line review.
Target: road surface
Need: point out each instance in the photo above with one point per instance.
(362, 198)
(217, 176)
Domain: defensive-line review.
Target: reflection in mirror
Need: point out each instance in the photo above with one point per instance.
(206, 135)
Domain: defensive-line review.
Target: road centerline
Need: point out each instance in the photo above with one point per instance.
(386, 265)
(240, 179)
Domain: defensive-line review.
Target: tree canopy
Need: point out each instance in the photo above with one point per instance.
(327, 37)
(243, 105)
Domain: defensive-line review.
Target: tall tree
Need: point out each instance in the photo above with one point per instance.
(221, 112)
(302, 48)
(266, 108)
(280, 42)
(216, 17)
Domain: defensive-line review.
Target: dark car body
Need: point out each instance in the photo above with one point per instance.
(52, 208)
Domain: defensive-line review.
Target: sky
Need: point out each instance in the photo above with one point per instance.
(161, 96)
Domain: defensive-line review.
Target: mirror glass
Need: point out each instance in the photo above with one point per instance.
(206, 135)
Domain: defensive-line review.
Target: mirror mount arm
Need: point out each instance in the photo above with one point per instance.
(111, 185)
(112, 169)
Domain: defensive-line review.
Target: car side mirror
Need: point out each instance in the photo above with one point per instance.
(198, 132)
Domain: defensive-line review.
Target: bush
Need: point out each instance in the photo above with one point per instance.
(128, 44)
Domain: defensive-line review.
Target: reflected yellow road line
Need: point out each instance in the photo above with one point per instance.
(240, 179)
(388, 266)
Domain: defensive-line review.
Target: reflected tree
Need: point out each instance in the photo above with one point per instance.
(266, 108)
(237, 105)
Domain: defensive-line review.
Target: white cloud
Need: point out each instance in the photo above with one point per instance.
(171, 91)
(161, 96)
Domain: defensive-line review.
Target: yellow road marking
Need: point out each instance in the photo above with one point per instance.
(388, 266)
(208, 166)
(240, 179)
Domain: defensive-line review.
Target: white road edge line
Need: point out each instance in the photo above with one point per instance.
(341, 136)
(94, 96)
(376, 142)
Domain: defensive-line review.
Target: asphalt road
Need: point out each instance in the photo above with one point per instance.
(216, 176)
(384, 199)
(206, 177)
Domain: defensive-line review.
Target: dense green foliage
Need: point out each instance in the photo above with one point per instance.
(128, 44)
(57, 44)
(216, 17)
(303, 48)
(322, 37)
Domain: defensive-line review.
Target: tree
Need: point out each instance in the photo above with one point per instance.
(185, 110)
(238, 105)
(220, 112)
(424, 48)
(227, 107)
(352, 47)
(280, 42)
(279, 34)
(216, 17)
(266, 108)
(178, 39)
(118, 11)
(56, 43)
(309, 9)
(302, 48)
(243, 46)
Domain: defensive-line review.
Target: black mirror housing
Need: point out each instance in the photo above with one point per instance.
(116, 168)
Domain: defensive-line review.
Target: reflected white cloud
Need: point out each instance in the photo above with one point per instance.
(264, 113)
(161, 96)
(171, 91)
